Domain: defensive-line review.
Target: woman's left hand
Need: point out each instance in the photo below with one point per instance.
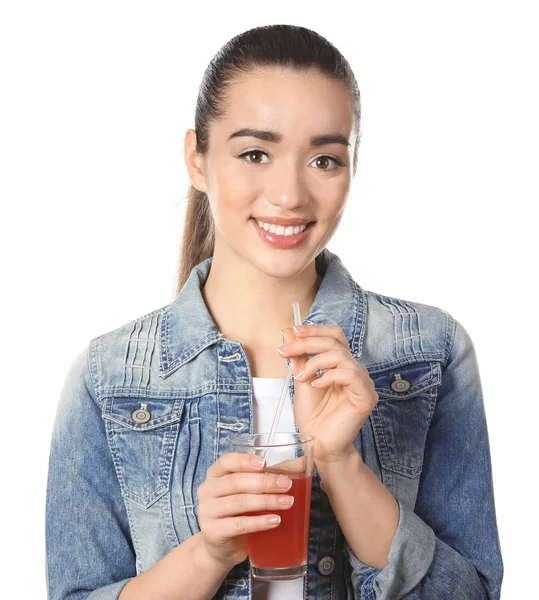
(339, 402)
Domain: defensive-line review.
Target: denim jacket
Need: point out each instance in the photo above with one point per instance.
(122, 494)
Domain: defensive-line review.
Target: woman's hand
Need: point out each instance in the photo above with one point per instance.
(234, 485)
(334, 406)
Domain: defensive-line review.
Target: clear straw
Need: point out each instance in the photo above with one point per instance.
(284, 392)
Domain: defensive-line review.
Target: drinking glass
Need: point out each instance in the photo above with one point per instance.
(281, 553)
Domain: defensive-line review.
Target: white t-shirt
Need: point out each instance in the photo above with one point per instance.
(266, 392)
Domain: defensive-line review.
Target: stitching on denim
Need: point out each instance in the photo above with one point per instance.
(144, 365)
(152, 352)
(174, 416)
(198, 435)
(126, 355)
(231, 358)
(91, 360)
(402, 362)
(450, 334)
(231, 426)
(150, 500)
(193, 350)
(169, 521)
(433, 378)
(363, 310)
(410, 312)
(421, 349)
(408, 338)
(96, 367)
(395, 304)
(164, 343)
(168, 452)
(354, 344)
(433, 381)
(181, 467)
(187, 393)
(133, 529)
(134, 361)
(414, 325)
(114, 454)
(218, 405)
(432, 405)
(249, 387)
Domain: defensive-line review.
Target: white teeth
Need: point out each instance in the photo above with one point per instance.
(280, 230)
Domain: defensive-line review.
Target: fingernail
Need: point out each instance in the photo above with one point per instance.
(299, 328)
(283, 349)
(258, 461)
(286, 500)
(284, 482)
(274, 520)
(300, 374)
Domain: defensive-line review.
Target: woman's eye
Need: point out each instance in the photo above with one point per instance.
(323, 160)
(256, 156)
(253, 153)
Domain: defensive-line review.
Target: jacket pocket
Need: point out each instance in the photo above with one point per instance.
(401, 419)
(142, 434)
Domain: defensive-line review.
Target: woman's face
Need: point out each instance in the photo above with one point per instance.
(286, 174)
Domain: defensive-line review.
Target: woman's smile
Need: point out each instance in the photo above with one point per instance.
(280, 236)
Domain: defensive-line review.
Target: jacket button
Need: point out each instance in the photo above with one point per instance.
(141, 415)
(326, 565)
(400, 385)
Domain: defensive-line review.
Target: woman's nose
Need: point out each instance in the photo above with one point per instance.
(289, 190)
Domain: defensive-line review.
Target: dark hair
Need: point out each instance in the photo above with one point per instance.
(289, 46)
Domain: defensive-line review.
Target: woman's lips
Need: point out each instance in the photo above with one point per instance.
(283, 241)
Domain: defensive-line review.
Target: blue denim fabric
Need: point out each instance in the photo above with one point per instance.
(121, 494)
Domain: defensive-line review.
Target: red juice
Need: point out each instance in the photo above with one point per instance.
(286, 545)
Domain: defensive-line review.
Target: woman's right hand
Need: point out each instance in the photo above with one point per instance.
(234, 485)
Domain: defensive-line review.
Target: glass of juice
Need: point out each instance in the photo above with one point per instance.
(281, 553)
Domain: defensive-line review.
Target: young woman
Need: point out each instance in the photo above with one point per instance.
(146, 500)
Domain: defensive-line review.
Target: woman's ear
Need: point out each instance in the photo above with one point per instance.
(194, 161)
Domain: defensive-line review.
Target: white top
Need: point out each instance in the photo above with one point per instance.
(266, 392)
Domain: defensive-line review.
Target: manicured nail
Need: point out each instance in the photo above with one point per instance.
(299, 328)
(284, 482)
(286, 500)
(283, 349)
(274, 520)
(258, 461)
(300, 374)
(316, 382)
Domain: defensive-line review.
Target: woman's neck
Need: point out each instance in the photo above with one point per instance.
(249, 306)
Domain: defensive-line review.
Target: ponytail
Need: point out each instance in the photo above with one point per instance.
(198, 235)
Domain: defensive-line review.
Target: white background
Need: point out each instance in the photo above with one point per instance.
(95, 102)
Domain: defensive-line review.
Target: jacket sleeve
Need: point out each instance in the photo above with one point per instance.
(448, 546)
(89, 554)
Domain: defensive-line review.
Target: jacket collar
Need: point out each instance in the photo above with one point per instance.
(187, 327)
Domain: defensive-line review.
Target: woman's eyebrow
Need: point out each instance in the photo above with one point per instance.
(271, 136)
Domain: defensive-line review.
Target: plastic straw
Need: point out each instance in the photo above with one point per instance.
(284, 392)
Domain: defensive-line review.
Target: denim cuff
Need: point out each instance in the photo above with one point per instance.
(109, 592)
(410, 556)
